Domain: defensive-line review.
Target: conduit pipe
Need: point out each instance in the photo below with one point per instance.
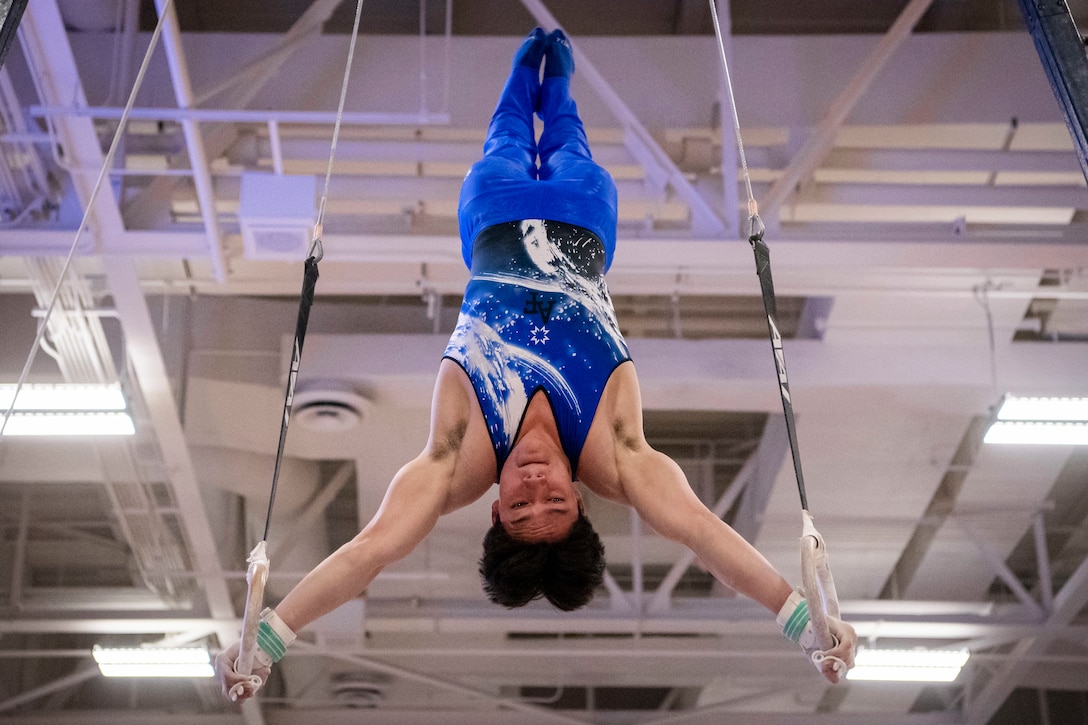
(194, 142)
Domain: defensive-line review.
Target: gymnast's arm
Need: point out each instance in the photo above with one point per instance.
(409, 510)
(632, 472)
(455, 468)
(448, 474)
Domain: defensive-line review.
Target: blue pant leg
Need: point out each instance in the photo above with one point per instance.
(583, 192)
(564, 137)
(509, 159)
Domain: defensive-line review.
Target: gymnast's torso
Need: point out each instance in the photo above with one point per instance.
(536, 316)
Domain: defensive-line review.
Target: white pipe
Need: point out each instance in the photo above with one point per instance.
(19, 566)
(1042, 557)
(194, 142)
(239, 115)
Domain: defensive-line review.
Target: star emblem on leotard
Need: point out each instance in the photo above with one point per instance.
(539, 335)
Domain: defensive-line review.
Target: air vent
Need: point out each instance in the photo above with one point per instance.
(328, 407)
(276, 215)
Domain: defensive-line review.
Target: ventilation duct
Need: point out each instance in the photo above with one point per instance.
(276, 215)
(328, 407)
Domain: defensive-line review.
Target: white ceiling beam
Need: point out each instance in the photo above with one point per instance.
(906, 194)
(822, 139)
(46, 38)
(325, 715)
(47, 49)
(705, 219)
(880, 618)
(393, 362)
(254, 75)
(1068, 603)
(194, 141)
(950, 159)
(142, 347)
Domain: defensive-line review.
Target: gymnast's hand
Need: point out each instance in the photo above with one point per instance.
(840, 658)
(237, 687)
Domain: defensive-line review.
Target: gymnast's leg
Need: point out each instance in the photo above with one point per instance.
(510, 148)
(563, 144)
(582, 192)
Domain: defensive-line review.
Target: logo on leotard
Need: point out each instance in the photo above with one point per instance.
(535, 305)
(539, 335)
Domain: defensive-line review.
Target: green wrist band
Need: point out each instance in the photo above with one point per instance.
(270, 642)
(795, 625)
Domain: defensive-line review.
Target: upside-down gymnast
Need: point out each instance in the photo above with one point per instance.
(536, 390)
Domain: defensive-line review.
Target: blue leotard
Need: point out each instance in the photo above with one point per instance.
(537, 316)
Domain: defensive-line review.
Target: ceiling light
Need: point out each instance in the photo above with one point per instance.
(1072, 409)
(1048, 421)
(68, 397)
(1038, 433)
(69, 424)
(65, 410)
(913, 665)
(153, 661)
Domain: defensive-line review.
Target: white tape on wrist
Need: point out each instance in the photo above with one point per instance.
(793, 618)
(797, 627)
(273, 638)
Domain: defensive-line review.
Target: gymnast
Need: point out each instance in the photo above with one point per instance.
(536, 391)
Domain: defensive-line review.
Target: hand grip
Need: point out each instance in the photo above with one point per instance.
(256, 578)
(816, 578)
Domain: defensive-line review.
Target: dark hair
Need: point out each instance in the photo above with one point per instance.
(564, 572)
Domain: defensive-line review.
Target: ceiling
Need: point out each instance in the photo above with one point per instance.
(926, 216)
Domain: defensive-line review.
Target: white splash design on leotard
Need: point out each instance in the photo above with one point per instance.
(543, 253)
(501, 365)
(499, 339)
(560, 275)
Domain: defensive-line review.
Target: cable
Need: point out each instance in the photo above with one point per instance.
(311, 273)
(819, 586)
(318, 227)
(257, 572)
(756, 223)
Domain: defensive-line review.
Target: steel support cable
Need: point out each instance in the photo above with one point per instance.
(819, 585)
(259, 564)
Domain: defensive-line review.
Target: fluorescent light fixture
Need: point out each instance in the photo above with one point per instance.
(1040, 421)
(69, 424)
(1038, 433)
(153, 661)
(68, 397)
(66, 410)
(912, 665)
(1055, 409)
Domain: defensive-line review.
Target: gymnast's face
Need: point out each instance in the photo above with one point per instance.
(537, 498)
